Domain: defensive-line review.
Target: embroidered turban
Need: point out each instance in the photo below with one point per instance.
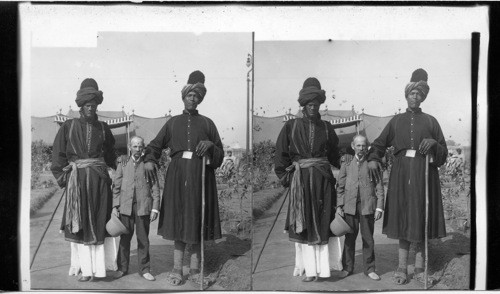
(89, 90)
(196, 83)
(418, 82)
(311, 90)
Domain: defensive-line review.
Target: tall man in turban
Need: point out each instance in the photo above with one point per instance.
(413, 134)
(305, 149)
(190, 136)
(82, 151)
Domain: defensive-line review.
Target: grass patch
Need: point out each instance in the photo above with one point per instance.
(264, 199)
(234, 211)
(39, 197)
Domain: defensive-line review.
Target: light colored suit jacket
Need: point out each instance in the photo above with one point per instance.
(354, 177)
(130, 178)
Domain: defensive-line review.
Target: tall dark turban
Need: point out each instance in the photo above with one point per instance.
(418, 81)
(311, 89)
(195, 84)
(89, 90)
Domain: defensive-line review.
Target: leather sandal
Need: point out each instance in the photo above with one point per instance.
(174, 279)
(84, 278)
(310, 279)
(400, 277)
(419, 276)
(196, 279)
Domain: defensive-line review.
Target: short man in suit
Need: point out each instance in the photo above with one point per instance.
(136, 202)
(361, 202)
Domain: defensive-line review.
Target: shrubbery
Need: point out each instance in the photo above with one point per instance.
(40, 160)
(263, 162)
(455, 185)
(251, 174)
(251, 171)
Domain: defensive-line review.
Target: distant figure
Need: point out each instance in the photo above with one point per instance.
(361, 201)
(190, 136)
(82, 151)
(229, 157)
(305, 149)
(136, 202)
(228, 163)
(455, 160)
(413, 134)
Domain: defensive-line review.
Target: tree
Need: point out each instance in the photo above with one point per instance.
(450, 142)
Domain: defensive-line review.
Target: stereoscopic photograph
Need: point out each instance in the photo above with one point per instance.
(139, 158)
(248, 148)
(370, 145)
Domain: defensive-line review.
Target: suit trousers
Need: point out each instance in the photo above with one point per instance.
(141, 223)
(366, 224)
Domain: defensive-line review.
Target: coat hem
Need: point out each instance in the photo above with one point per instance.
(84, 243)
(414, 240)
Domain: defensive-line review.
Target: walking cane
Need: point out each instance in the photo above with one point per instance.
(426, 219)
(48, 225)
(204, 163)
(269, 233)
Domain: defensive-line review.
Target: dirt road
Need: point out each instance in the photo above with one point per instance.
(50, 269)
(274, 270)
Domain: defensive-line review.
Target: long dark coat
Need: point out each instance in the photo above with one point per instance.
(89, 138)
(310, 138)
(404, 216)
(180, 212)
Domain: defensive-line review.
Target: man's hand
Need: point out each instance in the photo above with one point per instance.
(116, 212)
(375, 171)
(124, 160)
(153, 216)
(340, 211)
(203, 147)
(426, 145)
(347, 157)
(151, 172)
(378, 215)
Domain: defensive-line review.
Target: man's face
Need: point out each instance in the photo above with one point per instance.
(89, 109)
(359, 146)
(136, 146)
(312, 108)
(414, 99)
(191, 101)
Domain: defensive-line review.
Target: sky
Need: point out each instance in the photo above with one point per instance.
(370, 75)
(92, 40)
(145, 72)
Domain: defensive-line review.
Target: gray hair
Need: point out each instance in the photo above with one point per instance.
(359, 136)
(135, 138)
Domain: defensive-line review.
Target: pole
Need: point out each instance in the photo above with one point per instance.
(204, 163)
(248, 115)
(128, 138)
(426, 219)
(48, 225)
(269, 233)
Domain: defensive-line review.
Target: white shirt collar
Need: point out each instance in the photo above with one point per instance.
(135, 161)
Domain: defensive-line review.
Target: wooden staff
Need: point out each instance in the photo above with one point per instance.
(204, 163)
(48, 225)
(270, 230)
(426, 219)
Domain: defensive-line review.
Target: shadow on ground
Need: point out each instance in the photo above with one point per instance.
(226, 261)
(449, 261)
(230, 259)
